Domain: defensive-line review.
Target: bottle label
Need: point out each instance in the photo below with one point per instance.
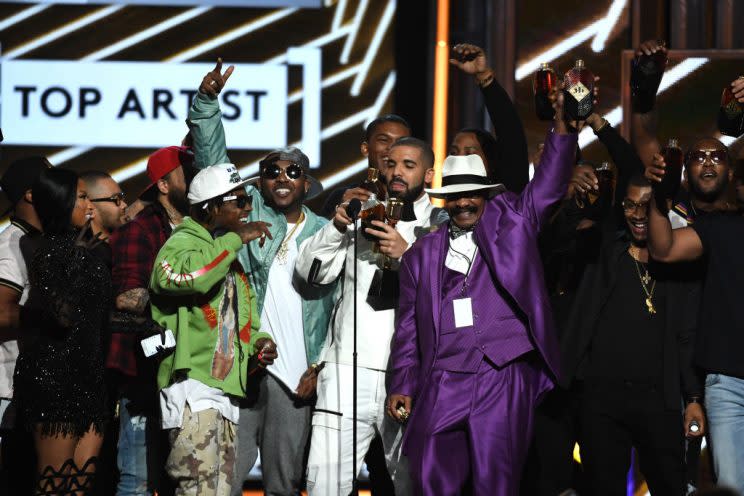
(579, 91)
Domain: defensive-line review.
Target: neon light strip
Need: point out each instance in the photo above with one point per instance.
(147, 33)
(338, 14)
(23, 15)
(344, 58)
(374, 46)
(63, 31)
(608, 23)
(231, 35)
(317, 42)
(327, 82)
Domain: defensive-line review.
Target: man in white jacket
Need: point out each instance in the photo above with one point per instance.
(321, 260)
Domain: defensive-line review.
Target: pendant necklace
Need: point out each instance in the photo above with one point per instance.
(645, 278)
(282, 253)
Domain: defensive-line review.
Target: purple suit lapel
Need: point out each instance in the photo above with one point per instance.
(435, 278)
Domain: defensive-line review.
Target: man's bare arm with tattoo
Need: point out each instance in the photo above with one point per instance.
(134, 301)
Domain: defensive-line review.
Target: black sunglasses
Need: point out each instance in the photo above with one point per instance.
(116, 199)
(293, 171)
(241, 201)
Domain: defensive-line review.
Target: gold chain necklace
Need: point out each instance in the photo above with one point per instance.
(645, 279)
(282, 253)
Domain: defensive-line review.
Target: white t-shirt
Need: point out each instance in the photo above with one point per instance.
(199, 396)
(12, 275)
(281, 316)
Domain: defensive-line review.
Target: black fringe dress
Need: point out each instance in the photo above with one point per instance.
(59, 382)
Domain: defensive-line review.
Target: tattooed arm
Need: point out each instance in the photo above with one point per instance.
(134, 301)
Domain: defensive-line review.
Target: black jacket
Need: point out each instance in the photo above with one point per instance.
(680, 378)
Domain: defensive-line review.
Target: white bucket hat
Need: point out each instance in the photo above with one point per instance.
(214, 181)
(464, 173)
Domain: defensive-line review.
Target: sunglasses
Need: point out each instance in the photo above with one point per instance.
(699, 156)
(631, 206)
(293, 171)
(240, 201)
(116, 199)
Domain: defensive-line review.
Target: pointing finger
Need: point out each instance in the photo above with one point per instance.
(227, 74)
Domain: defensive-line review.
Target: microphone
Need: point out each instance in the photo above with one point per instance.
(353, 208)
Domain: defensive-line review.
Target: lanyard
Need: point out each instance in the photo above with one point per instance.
(470, 266)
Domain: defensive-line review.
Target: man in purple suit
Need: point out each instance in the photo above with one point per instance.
(475, 347)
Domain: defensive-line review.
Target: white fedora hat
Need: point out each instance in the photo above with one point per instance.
(464, 173)
(214, 181)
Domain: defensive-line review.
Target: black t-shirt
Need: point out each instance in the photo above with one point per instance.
(720, 336)
(628, 341)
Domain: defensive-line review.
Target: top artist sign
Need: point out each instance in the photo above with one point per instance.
(135, 104)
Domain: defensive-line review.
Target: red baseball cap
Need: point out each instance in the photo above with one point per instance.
(165, 160)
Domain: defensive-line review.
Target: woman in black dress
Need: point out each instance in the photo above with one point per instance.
(59, 386)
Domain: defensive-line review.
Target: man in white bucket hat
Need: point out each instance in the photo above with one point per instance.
(474, 347)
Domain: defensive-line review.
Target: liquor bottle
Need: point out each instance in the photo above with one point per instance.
(373, 184)
(673, 159)
(731, 114)
(372, 209)
(606, 180)
(545, 81)
(578, 95)
(645, 76)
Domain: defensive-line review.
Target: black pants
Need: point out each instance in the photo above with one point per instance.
(618, 416)
(550, 468)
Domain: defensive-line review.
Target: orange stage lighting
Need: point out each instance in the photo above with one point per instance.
(441, 83)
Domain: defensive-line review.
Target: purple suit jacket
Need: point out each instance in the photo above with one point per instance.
(506, 236)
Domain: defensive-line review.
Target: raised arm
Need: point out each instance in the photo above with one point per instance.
(668, 245)
(552, 176)
(205, 119)
(512, 167)
(644, 120)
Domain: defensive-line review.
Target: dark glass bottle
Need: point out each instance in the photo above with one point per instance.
(578, 95)
(673, 158)
(544, 82)
(373, 184)
(731, 114)
(645, 76)
(372, 209)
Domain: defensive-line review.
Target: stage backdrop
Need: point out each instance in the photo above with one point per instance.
(103, 86)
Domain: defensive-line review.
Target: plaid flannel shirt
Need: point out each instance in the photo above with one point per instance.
(134, 247)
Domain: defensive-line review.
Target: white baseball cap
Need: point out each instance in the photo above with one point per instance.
(464, 173)
(214, 181)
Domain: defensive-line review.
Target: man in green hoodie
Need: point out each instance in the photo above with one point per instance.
(204, 297)
(295, 313)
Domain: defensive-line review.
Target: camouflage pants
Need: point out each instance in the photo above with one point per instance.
(202, 456)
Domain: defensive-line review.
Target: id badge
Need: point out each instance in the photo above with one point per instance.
(463, 308)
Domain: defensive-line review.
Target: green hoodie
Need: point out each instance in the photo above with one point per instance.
(192, 281)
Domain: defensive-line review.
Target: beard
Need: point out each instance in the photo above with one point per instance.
(714, 194)
(179, 201)
(410, 195)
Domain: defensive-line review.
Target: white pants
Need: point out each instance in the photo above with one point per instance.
(329, 467)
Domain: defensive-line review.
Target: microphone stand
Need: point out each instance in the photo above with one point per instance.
(355, 481)
(352, 210)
